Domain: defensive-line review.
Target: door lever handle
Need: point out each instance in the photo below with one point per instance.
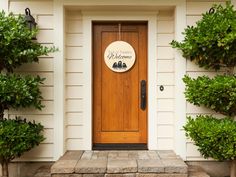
(143, 95)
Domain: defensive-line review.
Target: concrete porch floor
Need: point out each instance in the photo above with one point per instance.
(119, 164)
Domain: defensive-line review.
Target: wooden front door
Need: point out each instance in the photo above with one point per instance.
(118, 115)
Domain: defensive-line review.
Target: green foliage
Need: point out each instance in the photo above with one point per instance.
(18, 91)
(215, 138)
(18, 136)
(218, 93)
(16, 44)
(212, 43)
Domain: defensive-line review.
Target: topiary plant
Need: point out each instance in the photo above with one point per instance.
(212, 45)
(218, 93)
(18, 91)
(215, 138)
(16, 137)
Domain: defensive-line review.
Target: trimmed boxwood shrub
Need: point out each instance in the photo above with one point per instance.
(215, 138)
(218, 93)
(212, 42)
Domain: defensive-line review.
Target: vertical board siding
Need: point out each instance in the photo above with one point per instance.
(165, 77)
(74, 80)
(194, 10)
(43, 14)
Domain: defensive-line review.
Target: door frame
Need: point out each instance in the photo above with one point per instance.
(150, 17)
(141, 69)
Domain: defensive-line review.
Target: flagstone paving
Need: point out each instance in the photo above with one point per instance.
(119, 164)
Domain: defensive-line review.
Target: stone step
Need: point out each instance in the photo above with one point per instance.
(119, 164)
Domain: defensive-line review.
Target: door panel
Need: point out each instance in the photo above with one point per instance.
(117, 116)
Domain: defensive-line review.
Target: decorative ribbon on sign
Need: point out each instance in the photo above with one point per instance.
(119, 56)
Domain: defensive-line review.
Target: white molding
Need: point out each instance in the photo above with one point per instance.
(87, 56)
(180, 70)
(59, 79)
(4, 5)
(146, 3)
(152, 83)
(88, 18)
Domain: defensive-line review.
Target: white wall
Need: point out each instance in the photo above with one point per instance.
(166, 77)
(74, 80)
(43, 14)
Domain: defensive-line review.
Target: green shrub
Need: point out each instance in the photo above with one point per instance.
(215, 138)
(18, 136)
(218, 93)
(16, 44)
(212, 43)
(18, 91)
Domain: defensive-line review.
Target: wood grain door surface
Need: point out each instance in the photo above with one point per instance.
(117, 116)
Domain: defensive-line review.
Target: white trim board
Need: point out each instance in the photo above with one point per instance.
(88, 18)
(59, 80)
(180, 70)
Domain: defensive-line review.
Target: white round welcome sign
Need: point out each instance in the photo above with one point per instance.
(119, 56)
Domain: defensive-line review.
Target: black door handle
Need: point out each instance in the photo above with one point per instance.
(143, 95)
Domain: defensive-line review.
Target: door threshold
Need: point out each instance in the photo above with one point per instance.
(116, 146)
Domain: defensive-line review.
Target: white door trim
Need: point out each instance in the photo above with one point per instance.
(88, 18)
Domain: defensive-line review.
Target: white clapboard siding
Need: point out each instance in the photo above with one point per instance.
(165, 118)
(45, 36)
(75, 131)
(74, 105)
(165, 77)
(40, 153)
(195, 9)
(45, 22)
(74, 92)
(74, 66)
(74, 118)
(165, 143)
(44, 64)
(42, 11)
(75, 53)
(37, 7)
(165, 105)
(168, 92)
(165, 131)
(72, 144)
(165, 66)
(165, 52)
(74, 80)
(199, 7)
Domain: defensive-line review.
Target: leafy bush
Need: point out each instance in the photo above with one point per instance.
(20, 91)
(16, 43)
(16, 91)
(18, 136)
(218, 93)
(215, 138)
(212, 43)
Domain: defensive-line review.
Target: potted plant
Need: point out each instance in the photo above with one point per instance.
(18, 91)
(212, 45)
